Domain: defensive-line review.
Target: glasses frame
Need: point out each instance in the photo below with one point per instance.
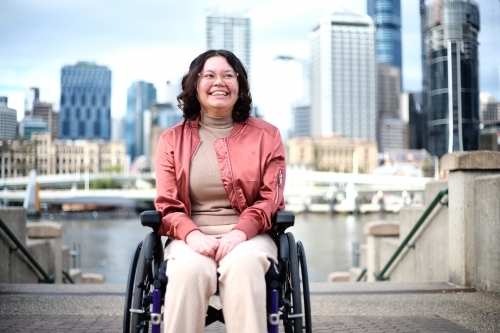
(200, 76)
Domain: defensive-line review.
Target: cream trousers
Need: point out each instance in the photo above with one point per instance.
(192, 279)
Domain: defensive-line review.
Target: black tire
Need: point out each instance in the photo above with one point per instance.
(292, 290)
(130, 288)
(148, 263)
(142, 289)
(305, 287)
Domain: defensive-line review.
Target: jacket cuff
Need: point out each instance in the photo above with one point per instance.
(250, 227)
(184, 229)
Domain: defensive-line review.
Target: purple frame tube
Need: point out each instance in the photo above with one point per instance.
(156, 309)
(273, 310)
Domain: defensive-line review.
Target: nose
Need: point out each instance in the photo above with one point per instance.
(218, 80)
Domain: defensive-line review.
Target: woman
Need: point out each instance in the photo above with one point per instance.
(220, 176)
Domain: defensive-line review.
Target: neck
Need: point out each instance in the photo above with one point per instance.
(216, 113)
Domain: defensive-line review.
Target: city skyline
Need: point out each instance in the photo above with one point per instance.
(71, 32)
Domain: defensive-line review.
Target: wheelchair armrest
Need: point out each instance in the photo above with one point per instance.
(152, 219)
(282, 220)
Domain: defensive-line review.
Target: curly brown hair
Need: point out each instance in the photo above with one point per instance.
(189, 103)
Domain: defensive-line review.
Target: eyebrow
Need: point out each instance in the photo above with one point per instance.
(228, 70)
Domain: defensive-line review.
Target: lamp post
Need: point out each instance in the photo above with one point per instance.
(2, 162)
(436, 167)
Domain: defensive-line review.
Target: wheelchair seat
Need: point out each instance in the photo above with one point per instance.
(147, 282)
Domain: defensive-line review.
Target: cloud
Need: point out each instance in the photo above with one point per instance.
(155, 40)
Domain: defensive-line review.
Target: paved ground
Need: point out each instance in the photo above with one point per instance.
(336, 307)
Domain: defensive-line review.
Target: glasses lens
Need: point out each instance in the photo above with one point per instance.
(228, 77)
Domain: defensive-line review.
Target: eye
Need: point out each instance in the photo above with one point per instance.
(228, 75)
(208, 76)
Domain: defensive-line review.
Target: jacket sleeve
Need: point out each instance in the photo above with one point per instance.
(256, 219)
(176, 222)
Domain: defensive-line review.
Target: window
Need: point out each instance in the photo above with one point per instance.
(81, 128)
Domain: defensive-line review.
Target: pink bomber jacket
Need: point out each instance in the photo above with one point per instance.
(252, 168)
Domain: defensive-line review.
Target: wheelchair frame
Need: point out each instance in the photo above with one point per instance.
(146, 286)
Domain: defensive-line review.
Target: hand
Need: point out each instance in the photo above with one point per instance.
(201, 243)
(228, 242)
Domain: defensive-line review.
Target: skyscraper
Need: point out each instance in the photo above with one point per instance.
(452, 86)
(229, 30)
(386, 15)
(140, 96)
(343, 75)
(391, 127)
(44, 111)
(32, 97)
(8, 120)
(85, 111)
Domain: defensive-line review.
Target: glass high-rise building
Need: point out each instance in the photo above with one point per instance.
(140, 96)
(343, 75)
(85, 106)
(452, 86)
(386, 15)
(229, 30)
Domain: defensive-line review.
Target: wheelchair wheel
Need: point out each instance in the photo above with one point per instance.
(150, 257)
(130, 289)
(305, 287)
(293, 310)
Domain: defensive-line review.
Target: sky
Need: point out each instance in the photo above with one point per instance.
(155, 41)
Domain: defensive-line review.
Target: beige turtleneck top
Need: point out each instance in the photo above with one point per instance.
(210, 207)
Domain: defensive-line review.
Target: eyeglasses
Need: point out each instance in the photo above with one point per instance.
(208, 78)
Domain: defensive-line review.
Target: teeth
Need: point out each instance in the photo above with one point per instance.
(219, 93)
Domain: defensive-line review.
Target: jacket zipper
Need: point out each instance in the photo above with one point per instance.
(231, 174)
(279, 183)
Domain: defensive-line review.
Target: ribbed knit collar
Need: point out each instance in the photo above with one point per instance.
(225, 121)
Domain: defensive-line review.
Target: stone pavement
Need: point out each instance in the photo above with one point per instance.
(336, 307)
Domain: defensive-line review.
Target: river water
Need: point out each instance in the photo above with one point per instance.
(107, 245)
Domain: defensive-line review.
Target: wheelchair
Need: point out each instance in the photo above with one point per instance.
(147, 282)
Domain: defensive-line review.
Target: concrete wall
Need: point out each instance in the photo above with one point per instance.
(41, 239)
(487, 233)
(473, 218)
(426, 257)
(13, 267)
(459, 243)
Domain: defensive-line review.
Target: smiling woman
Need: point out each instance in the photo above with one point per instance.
(220, 177)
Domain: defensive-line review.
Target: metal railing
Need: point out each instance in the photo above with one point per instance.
(437, 200)
(67, 276)
(19, 246)
(361, 275)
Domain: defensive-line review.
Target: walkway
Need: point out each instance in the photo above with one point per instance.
(336, 307)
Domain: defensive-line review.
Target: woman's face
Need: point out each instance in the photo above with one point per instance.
(217, 88)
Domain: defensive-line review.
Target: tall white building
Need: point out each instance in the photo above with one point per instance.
(343, 75)
(8, 120)
(229, 30)
(118, 129)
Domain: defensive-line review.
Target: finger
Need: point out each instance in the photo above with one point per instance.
(225, 249)
(218, 253)
(215, 245)
(207, 249)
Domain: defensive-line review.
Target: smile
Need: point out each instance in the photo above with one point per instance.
(219, 93)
